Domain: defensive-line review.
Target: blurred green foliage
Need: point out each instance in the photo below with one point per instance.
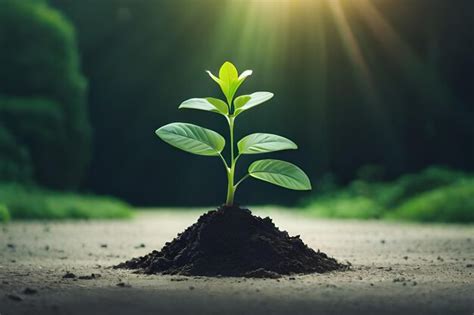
(434, 194)
(4, 214)
(453, 203)
(15, 162)
(30, 202)
(44, 130)
(397, 94)
(142, 59)
(345, 206)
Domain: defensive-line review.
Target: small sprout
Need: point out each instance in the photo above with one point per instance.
(201, 141)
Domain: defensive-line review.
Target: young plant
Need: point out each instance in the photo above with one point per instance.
(202, 141)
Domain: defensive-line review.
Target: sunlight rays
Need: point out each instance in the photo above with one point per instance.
(352, 48)
(263, 31)
(268, 34)
(397, 49)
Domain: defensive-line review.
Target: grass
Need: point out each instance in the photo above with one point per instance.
(433, 195)
(4, 214)
(346, 207)
(22, 202)
(453, 203)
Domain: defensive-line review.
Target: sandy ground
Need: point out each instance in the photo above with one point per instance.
(397, 269)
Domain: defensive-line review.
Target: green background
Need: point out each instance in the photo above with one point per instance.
(84, 85)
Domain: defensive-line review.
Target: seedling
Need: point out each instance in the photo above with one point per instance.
(201, 141)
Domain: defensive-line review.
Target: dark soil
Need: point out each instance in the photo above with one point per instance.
(231, 241)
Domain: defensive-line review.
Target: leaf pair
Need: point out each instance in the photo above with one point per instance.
(202, 141)
(277, 172)
(241, 103)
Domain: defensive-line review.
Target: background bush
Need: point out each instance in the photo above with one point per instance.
(454, 203)
(31, 202)
(434, 194)
(15, 161)
(4, 214)
(45, 134)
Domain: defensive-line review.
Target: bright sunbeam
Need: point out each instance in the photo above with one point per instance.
(352, 47)
(267, 32)
(397, 49)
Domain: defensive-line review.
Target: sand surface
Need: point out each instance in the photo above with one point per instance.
(397, 269)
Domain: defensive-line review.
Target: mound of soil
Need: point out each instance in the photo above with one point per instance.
(231, 241)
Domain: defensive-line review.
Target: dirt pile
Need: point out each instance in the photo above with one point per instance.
(231, 241)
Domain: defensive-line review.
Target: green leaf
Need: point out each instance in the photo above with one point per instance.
(280, 173)
(241, 101)
(218, 81)
(207, 104)
(246, 102)
(219, 104)
(244, 75)
(228, 73)
(192, 138)
(264, 142)
(240, 80)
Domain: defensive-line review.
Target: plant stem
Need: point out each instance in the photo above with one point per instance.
(231, 169)
(241, 180)
(224, 161)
